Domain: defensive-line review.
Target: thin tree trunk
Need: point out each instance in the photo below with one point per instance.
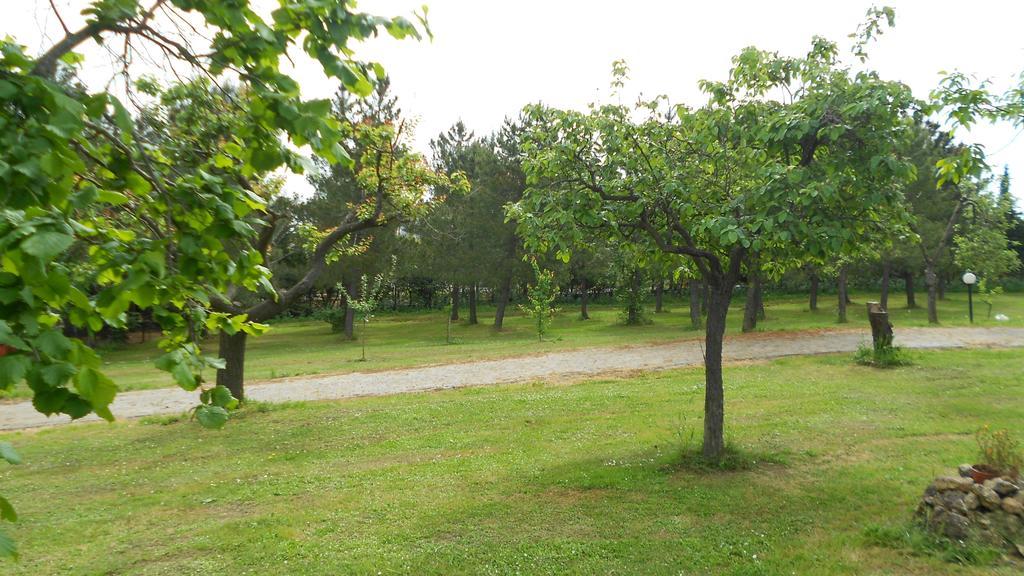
(584, 298)
(232, 351)
(750, 307)
(659, 293)
(504, 291)
(908, 283)
(714, 394)
(633, 309)
(350, 312)
(931, 281)
(695, 295)
(472, 304)
(705, 297)
(843, 298)
(815, 281)
(759, 294)
(456, 296)
(942, 287)
(884, 298)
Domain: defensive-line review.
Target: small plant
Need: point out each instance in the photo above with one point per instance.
(999, 451)
(335, 316)
(540, 297)
(371, 291)
(921, 542)
(882, 357)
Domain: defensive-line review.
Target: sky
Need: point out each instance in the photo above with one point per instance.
(489, 58)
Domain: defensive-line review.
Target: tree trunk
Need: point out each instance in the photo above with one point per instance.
(750, 307)
(881, 329)
(931, 281)
(584, 296)
(659, 293)
(908, 283)
(456, 296)
(884, 299)
(633, 308)
(232, 351)
(942, 287)
(472, 304)
(714, 394)
(843, 297)
(350, 312)
(759, 294)
(504, 291)
(695, 296)
(705, 297)
(815, 281)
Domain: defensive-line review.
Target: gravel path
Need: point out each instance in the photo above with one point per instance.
(577, 363)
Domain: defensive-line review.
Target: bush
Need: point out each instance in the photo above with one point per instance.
(882, 357)
(1000, 451)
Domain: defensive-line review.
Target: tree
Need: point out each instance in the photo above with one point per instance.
(88, 201)
(371, 290)
(390, 183)
(540, 298)
(745, 174)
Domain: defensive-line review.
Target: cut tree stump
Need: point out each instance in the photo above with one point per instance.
(881, 328)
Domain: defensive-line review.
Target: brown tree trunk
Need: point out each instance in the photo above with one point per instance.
(750, 306)
(759, 294)
(584, 298)
(232, 351)
(884, 299)
(908, 284)
(942, 287)
(815, 281)
(659, 293)
(695, 296)
(472, 304)
(350, 312)
(504, 292)
(456, 296)
(931, 281)
(714, 394)
(881, 329)
(843, 297)
(705, 297)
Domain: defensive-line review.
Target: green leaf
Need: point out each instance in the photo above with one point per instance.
(7, 547)
(212, 416)
(13, 368)
(221, 396)
(8, 453)
(184, 377)
(99, 390)
(53, 344)
(46, 245)
(7, 511)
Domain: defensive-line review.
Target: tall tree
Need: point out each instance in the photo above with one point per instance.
(743, 174)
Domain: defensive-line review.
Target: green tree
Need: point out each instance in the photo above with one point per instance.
(88, 201)
(540, 297)
(744, 174)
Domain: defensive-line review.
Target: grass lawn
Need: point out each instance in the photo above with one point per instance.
(525, 479)
(295, 348)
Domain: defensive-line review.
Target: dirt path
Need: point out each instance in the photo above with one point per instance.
(576, 363)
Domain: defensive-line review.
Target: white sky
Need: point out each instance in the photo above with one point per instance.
(489, 58)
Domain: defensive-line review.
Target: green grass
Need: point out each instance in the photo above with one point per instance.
(297, 348)
(587, 478)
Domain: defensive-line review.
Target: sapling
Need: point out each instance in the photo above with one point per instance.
(371, 293)
(540, 296)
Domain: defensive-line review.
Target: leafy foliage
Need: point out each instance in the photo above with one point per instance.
(540, 298)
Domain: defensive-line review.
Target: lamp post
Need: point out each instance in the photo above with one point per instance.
(969, 278)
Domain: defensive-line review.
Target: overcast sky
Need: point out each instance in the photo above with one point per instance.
(489, 58)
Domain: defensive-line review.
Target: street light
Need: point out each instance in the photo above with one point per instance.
(969, 278)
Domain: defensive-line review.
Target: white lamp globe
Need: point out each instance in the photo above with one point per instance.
(969, 278)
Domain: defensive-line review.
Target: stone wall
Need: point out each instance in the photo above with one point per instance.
(991, 512)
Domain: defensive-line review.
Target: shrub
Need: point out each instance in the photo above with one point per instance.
(882, 357)
(1000, 451)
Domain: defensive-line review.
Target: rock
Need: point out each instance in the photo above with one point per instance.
(971, 501)
(956, 526)
(965, 470)
(953, 500)
(943, 483)
(1013, 506)
(989, 483)
(1004, 487)
(987, 497)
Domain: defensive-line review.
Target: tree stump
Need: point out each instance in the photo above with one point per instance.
(881, 329)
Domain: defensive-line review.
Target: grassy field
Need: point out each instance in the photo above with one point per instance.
(526, 479)
(295, 348)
